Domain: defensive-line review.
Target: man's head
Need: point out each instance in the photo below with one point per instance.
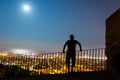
(72, 37)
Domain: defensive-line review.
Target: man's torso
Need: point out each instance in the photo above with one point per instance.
(71, 47)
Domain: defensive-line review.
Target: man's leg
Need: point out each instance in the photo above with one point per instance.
(73, 63)
(68, 68)
(68, 63)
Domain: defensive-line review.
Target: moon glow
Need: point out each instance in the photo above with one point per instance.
(26, 8)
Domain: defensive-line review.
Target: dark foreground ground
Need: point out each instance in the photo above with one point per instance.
(99, 75)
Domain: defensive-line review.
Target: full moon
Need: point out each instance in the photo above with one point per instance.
(26, 7)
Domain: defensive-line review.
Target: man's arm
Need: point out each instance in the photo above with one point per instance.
(79, 46)
(64, 47)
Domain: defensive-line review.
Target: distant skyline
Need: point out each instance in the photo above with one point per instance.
(46, 24)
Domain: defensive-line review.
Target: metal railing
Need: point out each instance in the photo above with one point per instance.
(54, 63)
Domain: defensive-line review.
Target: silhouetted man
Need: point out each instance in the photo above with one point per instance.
(71, 51)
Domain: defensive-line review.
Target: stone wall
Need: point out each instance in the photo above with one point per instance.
(112, 36)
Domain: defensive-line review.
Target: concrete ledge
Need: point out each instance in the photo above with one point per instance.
(99, 75)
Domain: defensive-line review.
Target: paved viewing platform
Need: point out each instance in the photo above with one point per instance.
(97, 75)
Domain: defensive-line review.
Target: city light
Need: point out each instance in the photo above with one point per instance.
(4, 54)
(54, 63)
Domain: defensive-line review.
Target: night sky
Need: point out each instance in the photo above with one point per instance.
(49, 23)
